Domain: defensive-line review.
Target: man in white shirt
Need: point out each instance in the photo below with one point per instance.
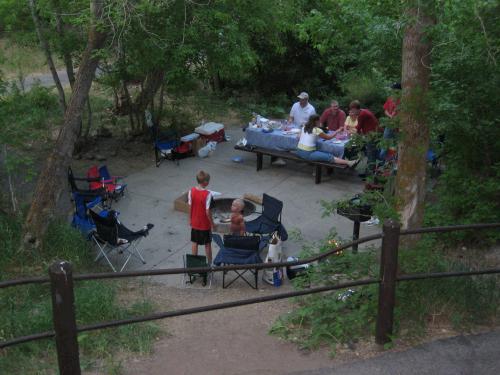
(301, 110)
(299, 115)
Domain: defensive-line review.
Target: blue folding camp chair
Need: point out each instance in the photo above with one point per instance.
(270, 220)
(81, 219)
(239, 250)
(165, 143)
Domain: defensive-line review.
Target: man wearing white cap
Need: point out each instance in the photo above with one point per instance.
(301, 111)
(299, 115)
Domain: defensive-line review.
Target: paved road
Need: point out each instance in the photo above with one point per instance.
(462, 355)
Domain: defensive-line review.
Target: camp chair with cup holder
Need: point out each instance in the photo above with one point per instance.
(239, 250)
(89, 194)
(111, 184)
(110, 235)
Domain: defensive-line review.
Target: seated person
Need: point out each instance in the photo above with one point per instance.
(351, 122)
(333, 118)
(237, 222)
(307, 144)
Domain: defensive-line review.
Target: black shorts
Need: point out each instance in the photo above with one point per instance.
(201, 237)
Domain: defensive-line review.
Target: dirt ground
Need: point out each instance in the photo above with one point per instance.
(229, 341)
(237, 340)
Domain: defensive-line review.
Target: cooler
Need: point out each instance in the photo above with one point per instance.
(211, 131)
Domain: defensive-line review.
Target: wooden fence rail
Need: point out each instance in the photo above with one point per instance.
(63, 309)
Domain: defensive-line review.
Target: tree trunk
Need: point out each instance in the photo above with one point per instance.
(411, 176)
(68, 62)
(148, 91)
(52, 181)
(48, 54)
(160, 105)
(89, 118)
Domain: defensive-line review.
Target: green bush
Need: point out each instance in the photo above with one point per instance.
(369, 89)
(346, 316)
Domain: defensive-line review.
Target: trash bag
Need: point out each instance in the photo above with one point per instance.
(207, 150)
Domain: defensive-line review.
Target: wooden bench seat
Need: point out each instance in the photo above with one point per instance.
(274, 154)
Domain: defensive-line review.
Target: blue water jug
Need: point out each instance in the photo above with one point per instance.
(277, 277)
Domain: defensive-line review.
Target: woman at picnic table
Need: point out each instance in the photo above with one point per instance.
(307, 143)
(351, 122)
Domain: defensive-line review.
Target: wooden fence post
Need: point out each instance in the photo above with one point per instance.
(387, 288)
(63, 313)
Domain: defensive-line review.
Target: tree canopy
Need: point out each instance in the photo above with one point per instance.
(332, 49)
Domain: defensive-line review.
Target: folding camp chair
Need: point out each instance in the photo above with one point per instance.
(196, 261)
(164, 143)
(88, 194)
(81, 218)
(115, 188)
(100, 179)
(269, 221)
(239, 250)
(111, 235)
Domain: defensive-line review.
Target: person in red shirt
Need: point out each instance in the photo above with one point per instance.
(200, 216)
(367, 122)
(390, 110)
(391, 105)
(333, 117)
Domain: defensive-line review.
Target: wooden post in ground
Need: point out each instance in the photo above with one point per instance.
(63, 313)
(387, 288)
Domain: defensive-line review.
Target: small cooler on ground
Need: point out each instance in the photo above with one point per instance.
(293, 271)
(211, 131)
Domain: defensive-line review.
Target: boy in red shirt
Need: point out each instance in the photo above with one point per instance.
(200, 216)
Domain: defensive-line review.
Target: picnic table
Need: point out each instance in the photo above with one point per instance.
(281, 140)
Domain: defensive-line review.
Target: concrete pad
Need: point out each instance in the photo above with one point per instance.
(152, 191)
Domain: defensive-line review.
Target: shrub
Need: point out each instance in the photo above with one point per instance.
(346, 316)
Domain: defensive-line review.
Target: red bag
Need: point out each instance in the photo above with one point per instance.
(183, 148)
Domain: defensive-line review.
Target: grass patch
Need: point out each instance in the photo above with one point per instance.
(27, 309)
(17, 60)
(347, 316)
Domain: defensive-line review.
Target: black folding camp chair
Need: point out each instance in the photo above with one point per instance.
(269, 221)
(88, 194)
(112, 235)
(239, 250)
(196, 261)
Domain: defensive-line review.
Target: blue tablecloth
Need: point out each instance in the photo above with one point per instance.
(277, 140)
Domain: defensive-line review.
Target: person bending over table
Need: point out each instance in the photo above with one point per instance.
(367, 124)
(301, 110)
(307, 144)
(299, 114)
